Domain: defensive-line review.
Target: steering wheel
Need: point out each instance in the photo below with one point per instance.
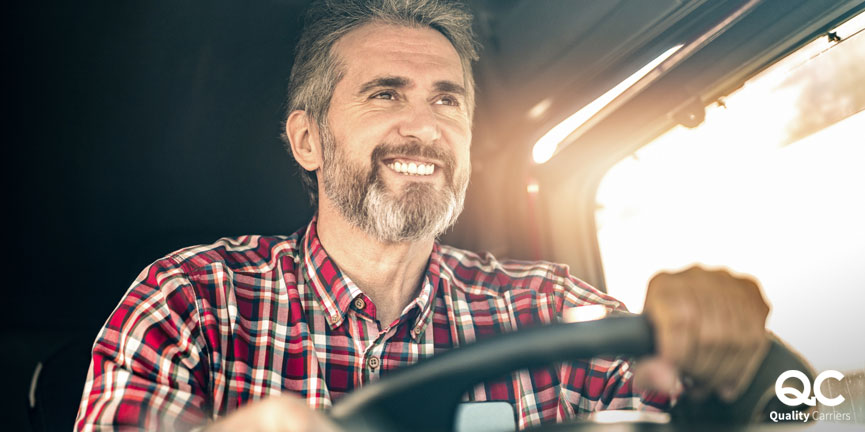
(424, 396)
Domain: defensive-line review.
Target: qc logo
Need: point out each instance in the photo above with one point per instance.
(791, 396)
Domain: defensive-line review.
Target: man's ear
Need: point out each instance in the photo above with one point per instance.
(303, 135)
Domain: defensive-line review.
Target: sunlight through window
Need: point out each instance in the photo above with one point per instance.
(771, 184)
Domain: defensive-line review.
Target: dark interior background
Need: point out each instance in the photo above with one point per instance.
(133, 129)
(139, 128)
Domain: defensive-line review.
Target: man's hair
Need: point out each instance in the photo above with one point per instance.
(317, 70)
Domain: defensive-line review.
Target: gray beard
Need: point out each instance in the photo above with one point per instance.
(417, 212)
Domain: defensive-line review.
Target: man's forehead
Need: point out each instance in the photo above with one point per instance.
(374, 48)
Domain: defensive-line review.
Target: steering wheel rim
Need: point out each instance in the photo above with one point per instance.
(425, 395)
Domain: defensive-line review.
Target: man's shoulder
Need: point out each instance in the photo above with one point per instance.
(485, 275)
(486, 263)
(471, 269)
(242, 254)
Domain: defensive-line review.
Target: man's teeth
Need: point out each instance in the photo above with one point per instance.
(412, 168)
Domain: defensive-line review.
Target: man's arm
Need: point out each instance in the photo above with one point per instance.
(604, 384)
(709, 328)
(148, 370)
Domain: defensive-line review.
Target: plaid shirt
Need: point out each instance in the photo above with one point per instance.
(210, 328)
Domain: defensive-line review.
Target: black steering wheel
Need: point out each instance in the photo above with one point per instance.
(424, 396)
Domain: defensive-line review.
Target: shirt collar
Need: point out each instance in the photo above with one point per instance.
(428, 293)
(335, 291)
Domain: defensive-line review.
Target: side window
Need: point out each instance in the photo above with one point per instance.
(772, 184)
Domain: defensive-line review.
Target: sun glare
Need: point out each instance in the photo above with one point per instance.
(770, 185)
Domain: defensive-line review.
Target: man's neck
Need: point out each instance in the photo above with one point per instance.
(389, 273)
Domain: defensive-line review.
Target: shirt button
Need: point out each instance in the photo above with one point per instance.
(373, 362)
(334, 317)
(415, 331)
(359, 304)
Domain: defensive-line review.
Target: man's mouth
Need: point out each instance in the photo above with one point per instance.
(411, 167)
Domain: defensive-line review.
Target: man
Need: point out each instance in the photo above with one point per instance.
(250, 333)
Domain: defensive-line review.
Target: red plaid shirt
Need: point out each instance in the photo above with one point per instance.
(210, 328)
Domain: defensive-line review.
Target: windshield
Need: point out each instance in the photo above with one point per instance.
(770, 184)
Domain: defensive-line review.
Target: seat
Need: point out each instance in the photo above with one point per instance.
(56, 386)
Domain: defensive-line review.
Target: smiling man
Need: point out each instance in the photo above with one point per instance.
(258, 333)
(393, 157)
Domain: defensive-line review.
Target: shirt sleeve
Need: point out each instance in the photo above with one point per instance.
(602, 383)
(147, 370)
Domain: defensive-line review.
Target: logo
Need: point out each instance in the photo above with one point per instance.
(791, 396)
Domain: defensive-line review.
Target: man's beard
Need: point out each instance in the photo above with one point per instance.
(416, 212)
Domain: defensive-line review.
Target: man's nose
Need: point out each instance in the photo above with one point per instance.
(419, 122)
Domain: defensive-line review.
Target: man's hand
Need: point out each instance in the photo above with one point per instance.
(709, 331)
(286, 413)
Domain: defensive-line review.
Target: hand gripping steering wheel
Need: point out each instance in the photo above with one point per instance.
(424, 396)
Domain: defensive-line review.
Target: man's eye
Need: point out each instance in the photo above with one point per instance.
(448, 100)
(386, 95)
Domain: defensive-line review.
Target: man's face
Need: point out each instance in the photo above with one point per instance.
(396, 140)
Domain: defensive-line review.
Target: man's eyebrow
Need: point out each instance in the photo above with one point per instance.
(450, 87)
(385, 81)
(401, 82)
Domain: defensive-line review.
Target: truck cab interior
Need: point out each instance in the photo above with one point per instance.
(138, 128)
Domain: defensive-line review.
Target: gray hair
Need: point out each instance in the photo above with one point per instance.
(316, 69)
